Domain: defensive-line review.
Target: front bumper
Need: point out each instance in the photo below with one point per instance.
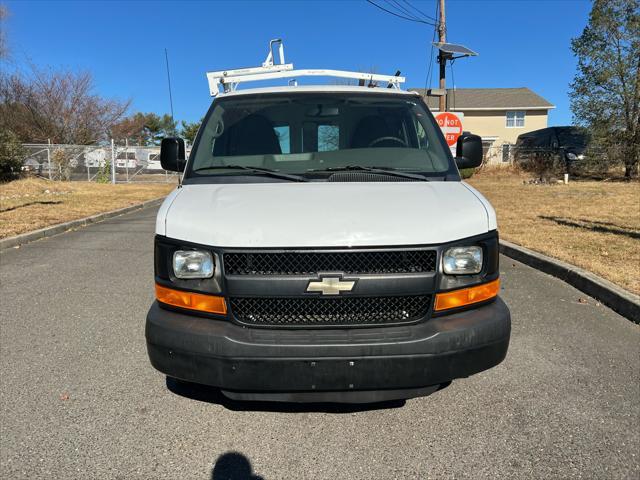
(358, 365)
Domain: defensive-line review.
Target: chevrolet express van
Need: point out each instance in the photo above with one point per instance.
(322, 247)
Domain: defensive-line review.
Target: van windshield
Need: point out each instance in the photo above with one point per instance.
(307, 134)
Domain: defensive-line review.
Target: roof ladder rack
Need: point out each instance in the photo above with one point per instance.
(228, 80)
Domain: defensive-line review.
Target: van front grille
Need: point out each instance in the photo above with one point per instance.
(311, 263)
(340, 311)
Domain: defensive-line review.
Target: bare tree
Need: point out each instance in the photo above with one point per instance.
(144, 128)
(4, 49)
(56, 105)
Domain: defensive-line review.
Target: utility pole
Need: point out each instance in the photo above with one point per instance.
(442, 59)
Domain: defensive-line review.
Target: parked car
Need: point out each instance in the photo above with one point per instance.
(31, 165)
(153, 163)
(322, 247)
(126, 160)
(560, 147)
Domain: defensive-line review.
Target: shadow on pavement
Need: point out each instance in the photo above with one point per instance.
(204, 393)
(233, 466)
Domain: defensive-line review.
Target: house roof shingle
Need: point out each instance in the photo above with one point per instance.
(490, 99)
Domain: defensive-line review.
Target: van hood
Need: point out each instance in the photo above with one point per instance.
(324, 214)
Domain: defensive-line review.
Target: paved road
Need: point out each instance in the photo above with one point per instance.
(80, 400)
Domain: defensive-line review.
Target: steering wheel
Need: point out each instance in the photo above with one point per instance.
(392, 139)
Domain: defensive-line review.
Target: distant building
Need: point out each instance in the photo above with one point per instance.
(498, 115)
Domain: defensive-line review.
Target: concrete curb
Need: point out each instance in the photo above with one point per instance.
(616, 298)
(21, 239)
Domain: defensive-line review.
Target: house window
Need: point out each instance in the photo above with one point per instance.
(515, 119)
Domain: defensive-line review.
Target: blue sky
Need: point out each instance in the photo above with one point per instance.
(520, 43)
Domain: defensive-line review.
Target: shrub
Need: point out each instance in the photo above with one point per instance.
(104, 173)
(12, 154)
(62, 159)
(543, 163)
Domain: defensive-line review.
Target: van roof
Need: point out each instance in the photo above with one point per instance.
(319, 89)
(548, 130)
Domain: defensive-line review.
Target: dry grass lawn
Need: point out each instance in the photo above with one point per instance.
(34, 203)
(594, 225)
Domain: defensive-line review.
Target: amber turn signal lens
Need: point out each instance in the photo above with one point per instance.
(467, 296)
(190, 300)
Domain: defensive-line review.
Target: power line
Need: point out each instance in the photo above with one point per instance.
(166, 58)
(424, 15)
(406, 14)
(403, 9)
(430, 69)
(433, 38)
(453, 90)
(442, 58)
(400, 16)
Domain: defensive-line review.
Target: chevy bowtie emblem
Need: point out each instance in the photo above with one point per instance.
(330, 286)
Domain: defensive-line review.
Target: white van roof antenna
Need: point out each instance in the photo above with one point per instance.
(228, 80)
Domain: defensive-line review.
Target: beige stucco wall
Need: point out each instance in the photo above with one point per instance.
(492, 123)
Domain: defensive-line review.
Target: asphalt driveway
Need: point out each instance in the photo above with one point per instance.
(80, 400)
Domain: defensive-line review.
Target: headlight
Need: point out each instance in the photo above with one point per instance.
(571, 156)
(192, 264)
(462, 260)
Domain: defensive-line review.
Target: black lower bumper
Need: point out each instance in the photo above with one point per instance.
(365, 364)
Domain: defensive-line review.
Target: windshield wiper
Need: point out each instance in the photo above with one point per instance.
(381, 170)
(266, 171)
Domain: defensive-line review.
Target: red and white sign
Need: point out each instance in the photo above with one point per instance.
(451, 125)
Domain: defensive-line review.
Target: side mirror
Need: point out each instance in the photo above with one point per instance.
(469, 151)
(172, 154)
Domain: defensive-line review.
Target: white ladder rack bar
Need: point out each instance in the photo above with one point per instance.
(229, 79)
(251, 70)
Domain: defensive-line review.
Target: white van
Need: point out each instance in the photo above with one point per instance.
(322, 247)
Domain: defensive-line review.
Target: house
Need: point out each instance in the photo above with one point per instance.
(498, 115)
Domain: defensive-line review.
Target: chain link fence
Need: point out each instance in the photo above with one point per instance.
(93, 163)
(595, 161)
(136, 163)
